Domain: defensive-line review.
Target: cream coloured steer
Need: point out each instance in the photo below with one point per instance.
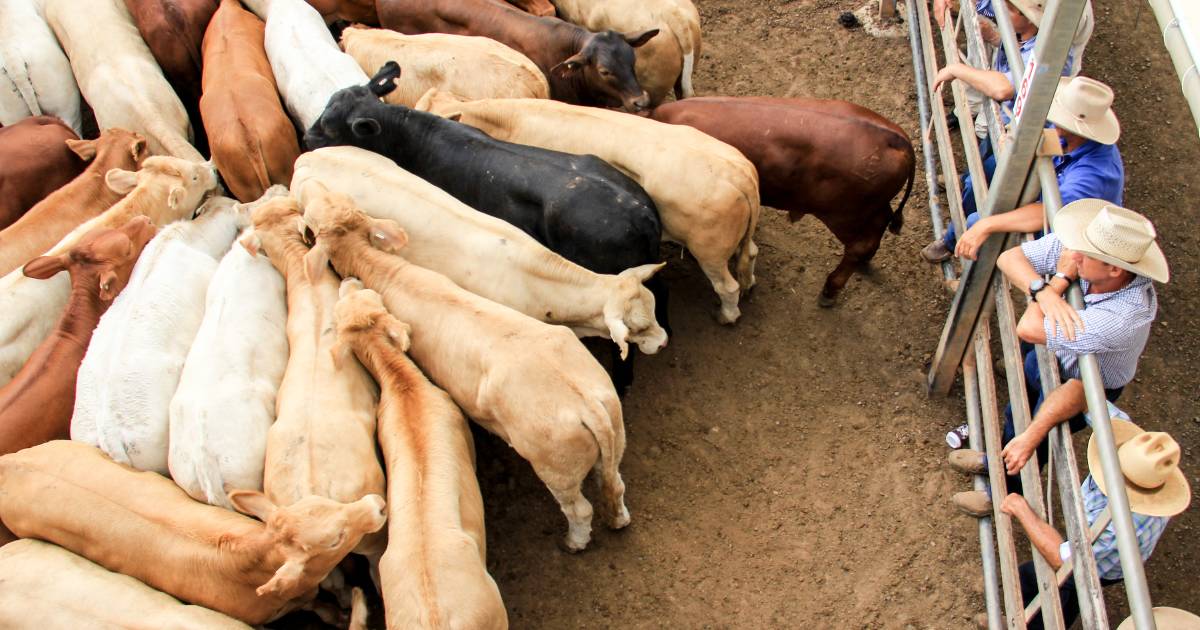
(165, 189)
(323, 439)
(50, 588)
(434, 572)
(118, 75)
(225, 402)
(706, 191)
(307, 64)
(665, 62)
(486, 255)
(133, 363)
(144, 526)
(474, 67)
(35, 76)
(531, 383)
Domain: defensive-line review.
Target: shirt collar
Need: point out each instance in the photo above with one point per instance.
(1089, 146)
(1092, 298)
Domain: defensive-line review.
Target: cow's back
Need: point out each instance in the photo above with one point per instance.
(253, 141)
(472, 67)
(225, 402)
(35, 76)
(72, 592)
(173, 30)
(36, 162)
(789, 141)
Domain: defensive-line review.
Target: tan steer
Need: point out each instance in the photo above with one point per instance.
(475, 67)
(323, 440)
(166, 189)
(531, 383)
(706, 191)
(143, 525)
(434, 572)
(49, 588)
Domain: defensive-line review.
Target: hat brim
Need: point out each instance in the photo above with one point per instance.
(1107, 130)
(1029, 11)
(1167, 500)
(1168, 618)
(1070, 225)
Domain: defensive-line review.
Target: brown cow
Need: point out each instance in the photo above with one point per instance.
(541, 8)
(353, 11)
(834, 160)
(34, 162)
(252, 139)
(36, 405)
(83, 198)
(173, 29)
(582, 67)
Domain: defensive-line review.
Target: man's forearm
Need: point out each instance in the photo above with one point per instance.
(1044, 537)
(1064, 403)
(1027, 218)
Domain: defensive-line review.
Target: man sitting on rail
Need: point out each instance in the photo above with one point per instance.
(1113, 253)
(1090, 167)
(1156, 488)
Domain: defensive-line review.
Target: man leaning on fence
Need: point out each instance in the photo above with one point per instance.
(1113, 254)
(1156, 488)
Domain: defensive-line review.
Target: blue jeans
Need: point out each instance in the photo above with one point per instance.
(1066, 594)
(968, 192)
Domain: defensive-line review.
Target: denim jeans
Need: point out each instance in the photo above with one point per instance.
(968, 192)
(1066, 595)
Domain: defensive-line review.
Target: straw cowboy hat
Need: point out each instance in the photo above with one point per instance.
(1083, 106)
(1167, 618)
(1112, 234)
(1150, 463)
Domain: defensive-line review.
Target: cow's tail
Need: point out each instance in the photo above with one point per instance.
(747, 250)
(24, 85)
(175, 144)
(603, 418)
(897, 221)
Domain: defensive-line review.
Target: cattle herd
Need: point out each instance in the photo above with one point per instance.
(223, 397)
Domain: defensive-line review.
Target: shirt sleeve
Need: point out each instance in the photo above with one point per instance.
(1043, 254)
(1064, 551)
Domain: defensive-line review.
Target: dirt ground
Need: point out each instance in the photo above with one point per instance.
(789, 472)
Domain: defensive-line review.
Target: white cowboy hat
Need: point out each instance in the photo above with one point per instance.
(1083, 106)
(1167, 618)
(1112, 234)
(1150, 462)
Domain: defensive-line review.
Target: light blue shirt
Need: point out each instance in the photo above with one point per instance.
(1108, 560)
(1002, 65)
(1116, 324)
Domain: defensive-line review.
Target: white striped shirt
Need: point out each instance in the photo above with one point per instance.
(1116, 324)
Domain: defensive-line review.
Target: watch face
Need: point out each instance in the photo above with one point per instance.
(1036, 285)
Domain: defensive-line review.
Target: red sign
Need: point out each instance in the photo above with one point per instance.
(1023, 89)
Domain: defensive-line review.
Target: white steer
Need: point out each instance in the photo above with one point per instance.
(225, 402)
(132, 365)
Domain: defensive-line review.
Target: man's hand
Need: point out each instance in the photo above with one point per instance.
(1014, 505)
(1068, 264)
(971, 240)
(1017, 453)
(944, 75)
(940, 7)
(1060, 313)
(988, 31)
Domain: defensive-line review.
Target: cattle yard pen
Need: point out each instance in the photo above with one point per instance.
(1024, 165)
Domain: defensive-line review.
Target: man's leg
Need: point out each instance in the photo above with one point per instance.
(1029, 590)
(1033, 389)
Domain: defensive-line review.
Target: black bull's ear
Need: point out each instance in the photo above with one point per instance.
(364, 127)
(384, 81)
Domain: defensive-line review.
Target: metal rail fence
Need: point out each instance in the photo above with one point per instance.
(1024, 166)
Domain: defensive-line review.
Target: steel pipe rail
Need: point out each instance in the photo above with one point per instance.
(1172, 16)
(987, 542)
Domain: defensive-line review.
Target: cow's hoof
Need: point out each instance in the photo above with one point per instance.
(565, 544)
(621, 520)
(825, 301)
(728, 319)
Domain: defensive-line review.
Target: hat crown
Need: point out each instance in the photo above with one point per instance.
(1121, 233)
(1149, 459)
(1087, 99)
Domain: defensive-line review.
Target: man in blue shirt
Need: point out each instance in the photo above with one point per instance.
(1090, 167)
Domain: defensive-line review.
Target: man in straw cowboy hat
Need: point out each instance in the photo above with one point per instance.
(1157, 490)
(1090, 167)
(1112, 252)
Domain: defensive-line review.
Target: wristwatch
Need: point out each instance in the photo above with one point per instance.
(1035, 285)
(1059, 274)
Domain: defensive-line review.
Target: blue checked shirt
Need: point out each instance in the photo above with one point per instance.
(1116, 324)
(1108, 562)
